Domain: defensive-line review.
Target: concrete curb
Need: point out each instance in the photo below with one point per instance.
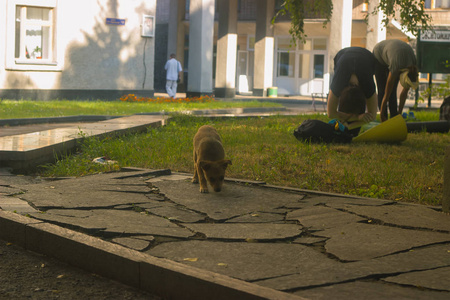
(96, 118)
(236, 111)
(162, 277)
(69, 119)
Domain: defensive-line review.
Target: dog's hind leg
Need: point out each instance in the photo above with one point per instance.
(195, 177)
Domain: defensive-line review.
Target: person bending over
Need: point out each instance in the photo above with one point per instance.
(395, 62)
(352, 98)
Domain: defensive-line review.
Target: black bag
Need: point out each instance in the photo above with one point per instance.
(316, 131)
(444, 110)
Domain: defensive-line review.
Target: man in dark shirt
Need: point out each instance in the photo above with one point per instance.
(354, 68)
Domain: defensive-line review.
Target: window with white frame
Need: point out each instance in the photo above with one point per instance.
(285, 59)
(34, 33)
(436, 4)
(311, 52)
(31, 42)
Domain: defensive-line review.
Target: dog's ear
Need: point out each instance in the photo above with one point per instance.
(205, 165)
(225, 164)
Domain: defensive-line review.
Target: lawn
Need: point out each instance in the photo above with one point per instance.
(265, 149)
(10, 109)
(260, 148)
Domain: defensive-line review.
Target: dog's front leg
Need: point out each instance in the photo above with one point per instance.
(202, 178)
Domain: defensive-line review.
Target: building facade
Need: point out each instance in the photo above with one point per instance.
(76, 49)
(229, 47)
(103, 49)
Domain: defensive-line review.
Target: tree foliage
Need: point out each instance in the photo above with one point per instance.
(299, 10)
(409, 13)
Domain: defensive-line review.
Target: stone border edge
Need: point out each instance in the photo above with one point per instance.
(165, 278)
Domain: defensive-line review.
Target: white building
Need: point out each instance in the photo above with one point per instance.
(231, 46)
(103, 49)
(69, 49)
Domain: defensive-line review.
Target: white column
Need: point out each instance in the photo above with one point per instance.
(226, 50)
(340, 30)
(175, 40)
(340, 27)
(375, 30)
(264, 47)
(201, 30)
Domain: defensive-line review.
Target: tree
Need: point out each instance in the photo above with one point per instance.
(411, 13)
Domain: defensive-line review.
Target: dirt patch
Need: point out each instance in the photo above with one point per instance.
(28, 275)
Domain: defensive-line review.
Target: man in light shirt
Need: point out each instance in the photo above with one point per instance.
(173, 69)
(395, 62)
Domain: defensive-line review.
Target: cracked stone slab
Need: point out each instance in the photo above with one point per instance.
(341, 202)
(370, 290)
(422, 259)
(321, 217)
(71, 213)
(247, 231)
(258, 217)
(309, 240)
(88, 191)
(119, 221)
(406, 215)
(16, 205)
(7, 190)
(136, 244)
(246, 261)
(173, 177)
(10, 181)
(234, 199)
(360, 241)
(437, 279)
(174, 213)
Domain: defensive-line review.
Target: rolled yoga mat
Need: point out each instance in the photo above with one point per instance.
(391, 131)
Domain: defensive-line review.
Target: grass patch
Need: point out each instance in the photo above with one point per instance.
(10, 109)
(265, 149)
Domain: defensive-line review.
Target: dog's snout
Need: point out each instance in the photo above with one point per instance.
(217, 189)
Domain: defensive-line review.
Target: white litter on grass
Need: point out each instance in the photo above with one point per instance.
(104, 161)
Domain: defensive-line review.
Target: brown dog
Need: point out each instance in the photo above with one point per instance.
(209, 159)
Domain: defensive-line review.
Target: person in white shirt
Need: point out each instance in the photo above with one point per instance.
(173, 69)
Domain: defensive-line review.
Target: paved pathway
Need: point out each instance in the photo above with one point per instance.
(303, 243)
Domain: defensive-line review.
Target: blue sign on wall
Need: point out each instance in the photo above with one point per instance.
(114, 21)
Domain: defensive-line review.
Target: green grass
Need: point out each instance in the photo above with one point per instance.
(10, 109)
(265, 149)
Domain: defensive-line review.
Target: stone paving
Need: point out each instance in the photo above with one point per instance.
(306, 243)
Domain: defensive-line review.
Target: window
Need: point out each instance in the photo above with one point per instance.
(250, 42)
(34, 33)
(433, 4)
(308, 57)
(319, 60)
(286, 64)
(442, 4)
(31, 42)
(286, 58)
